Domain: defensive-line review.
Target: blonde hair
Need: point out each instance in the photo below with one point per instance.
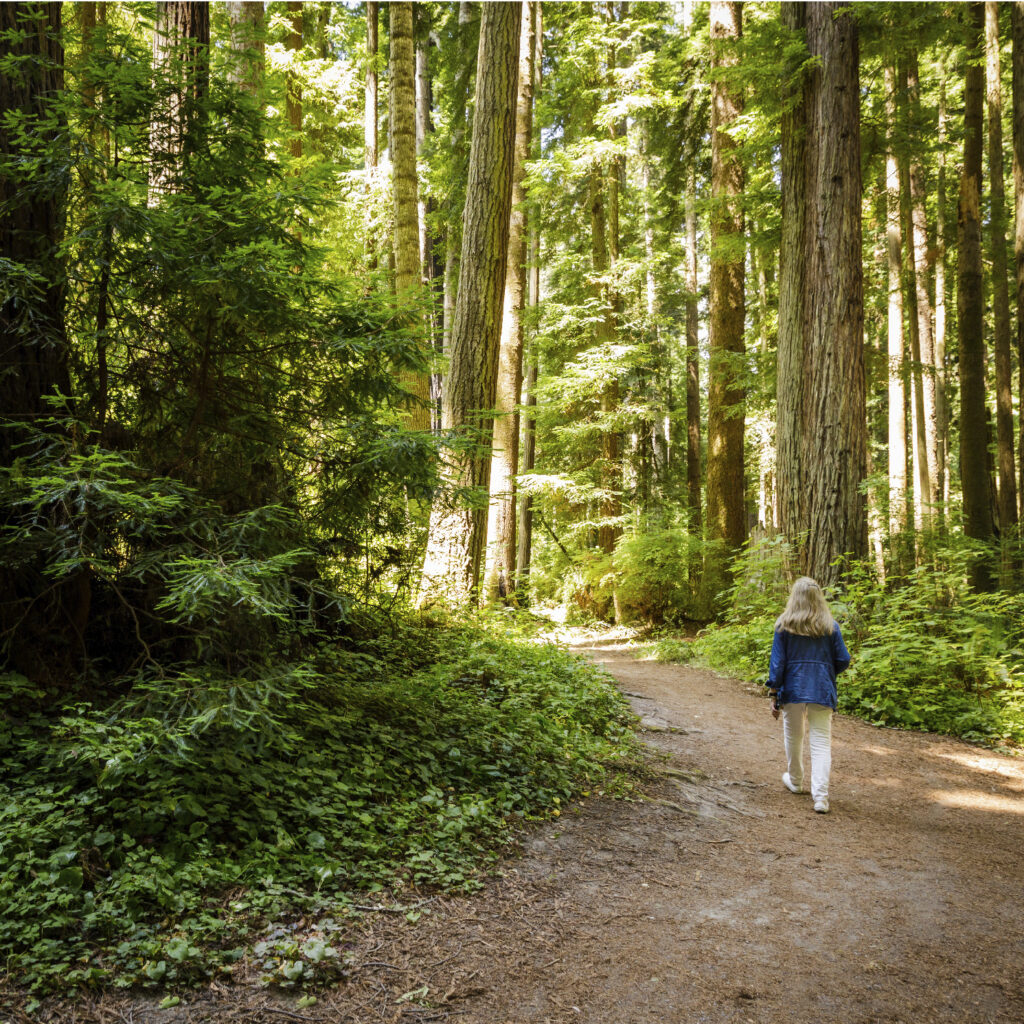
(806, 612)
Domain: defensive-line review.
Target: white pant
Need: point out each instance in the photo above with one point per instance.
(819, 729)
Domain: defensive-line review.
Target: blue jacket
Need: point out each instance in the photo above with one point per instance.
(804, 668)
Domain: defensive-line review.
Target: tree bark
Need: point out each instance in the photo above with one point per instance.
(370, 119)
(693, 439)
(404, 184)
(792, 499)
(501, 530)
(35, 383)
(941, 399)
(181, 44)
(248, 41)
(457, 532)
(1007, 490)
(825, 435)
(896, 349)
(930, 373)
(1017, 21)
(293, 88)
(974, 475)
(726, 512)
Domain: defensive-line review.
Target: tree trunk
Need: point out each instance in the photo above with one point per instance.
(293, 88)
(370, 118)
(457, 533)
(941, 393)
(501, 535)
(248, 29)
(181, 44)
(1007, 491)
(930, 373)
(693, 499)
(896, 349)
(825, 435)
(1017, 20)
(791, 497)
(725, 484)
(405, 188)
(34, 378)
(970, 298)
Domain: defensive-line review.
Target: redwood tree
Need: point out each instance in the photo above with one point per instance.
(457, 528)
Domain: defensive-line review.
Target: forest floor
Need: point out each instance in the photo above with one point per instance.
(720, 898)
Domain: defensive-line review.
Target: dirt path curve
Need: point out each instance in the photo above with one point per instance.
(729, 900)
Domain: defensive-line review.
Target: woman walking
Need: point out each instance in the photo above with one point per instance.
(808, 654)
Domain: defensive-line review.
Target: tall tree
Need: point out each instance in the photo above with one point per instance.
(181, 43)
(822, 437)
(293, 94)
(896, 349)
(970, 300)
(1017, 22)
(931, 372)
(248, 25)
(370, 117)
(941, 401)
(34, 377)
(1007, 490)
(457, 533)
(404, 184)
(725, 485)
(501, 528)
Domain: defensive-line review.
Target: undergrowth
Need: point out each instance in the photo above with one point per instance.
(147, 839)
(928, 653)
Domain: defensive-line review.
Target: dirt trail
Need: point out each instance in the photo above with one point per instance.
(728, 900)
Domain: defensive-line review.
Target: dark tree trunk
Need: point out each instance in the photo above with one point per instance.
(823, 425)
(41, 620)
(726, 512)
(1017, 19)
(457, 534)
(970, 298)
(1007, 491)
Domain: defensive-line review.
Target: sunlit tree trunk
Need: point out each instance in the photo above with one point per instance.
(181, 43)
(931, 377)
(248, 28)
(501, 529)
(941, 392)
(974, 475)
(896, 349)
(1017, 20)
(1007, 490)
(370, 117)
(293, 95)
(726, 512)
(826, 434)
(405, 187)
(693, 496)
(457, 533)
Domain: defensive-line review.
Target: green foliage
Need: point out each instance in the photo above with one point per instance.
(145, 838)
(928, 652)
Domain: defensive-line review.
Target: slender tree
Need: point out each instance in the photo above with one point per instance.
(1007, 490)
(896, 349)
(726, 516)
(404, 184)
(293, 94)
(457, 533)
(941, 402)
(970, 300)
(370, 117)
(501, 529)
(822, 437)
(248, 26)
(1017, 22)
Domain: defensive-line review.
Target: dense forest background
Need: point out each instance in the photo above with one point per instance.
(333, 336)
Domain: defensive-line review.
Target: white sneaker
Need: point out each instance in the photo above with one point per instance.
(788, 783)
(821, 806)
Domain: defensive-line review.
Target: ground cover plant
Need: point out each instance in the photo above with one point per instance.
(146, 838)
(929, 653)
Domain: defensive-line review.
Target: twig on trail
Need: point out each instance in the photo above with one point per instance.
(378, 963)
(715, 842)
(639, 696)
(446, 960)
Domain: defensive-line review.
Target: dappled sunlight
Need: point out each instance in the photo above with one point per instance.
(985, 763)
(977, 800)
